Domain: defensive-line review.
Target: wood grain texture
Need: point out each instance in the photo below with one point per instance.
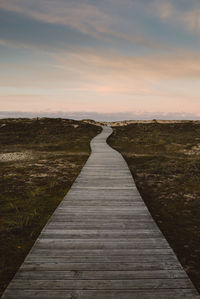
(101, 242)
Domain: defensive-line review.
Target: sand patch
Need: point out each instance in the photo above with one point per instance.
(15, 156)
(195, 150)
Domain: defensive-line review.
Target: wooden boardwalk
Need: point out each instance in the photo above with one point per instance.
(101, 242)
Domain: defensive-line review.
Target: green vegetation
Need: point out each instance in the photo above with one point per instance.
(39, 161)
(164, 159)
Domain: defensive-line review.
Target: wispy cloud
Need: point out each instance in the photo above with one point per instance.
(84, 17)
(107, 71)
(110, 71)
(182, 14)
(153, 66)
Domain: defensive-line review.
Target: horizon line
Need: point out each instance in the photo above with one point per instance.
(103, 116)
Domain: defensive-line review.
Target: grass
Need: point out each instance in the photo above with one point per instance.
(165, 162)
(54, 152)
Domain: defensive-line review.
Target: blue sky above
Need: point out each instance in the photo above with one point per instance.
(109, 56)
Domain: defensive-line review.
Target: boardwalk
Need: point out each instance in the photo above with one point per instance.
(101, 242)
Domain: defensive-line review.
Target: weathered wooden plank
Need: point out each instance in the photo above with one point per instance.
(98, 275)
(92, 234)
(89, 213)
(102, 195)
(120, 209)
(101, 243)
(106, 266)
(55, 236)
(83, 217)
(82, 188)
(101, 294)
(134, 225)
(100, 203)
(102, 231)
(169, 261)
(174, 283)
(99, 252)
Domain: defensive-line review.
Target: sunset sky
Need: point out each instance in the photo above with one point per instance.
(115, 57)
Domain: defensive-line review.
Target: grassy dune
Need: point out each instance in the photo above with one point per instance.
(39, 160)
(164, 159)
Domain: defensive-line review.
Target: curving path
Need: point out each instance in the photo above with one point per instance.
(101, 242)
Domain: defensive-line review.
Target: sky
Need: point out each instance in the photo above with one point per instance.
(109, 59)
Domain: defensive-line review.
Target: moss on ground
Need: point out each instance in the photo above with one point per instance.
(165, 162)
